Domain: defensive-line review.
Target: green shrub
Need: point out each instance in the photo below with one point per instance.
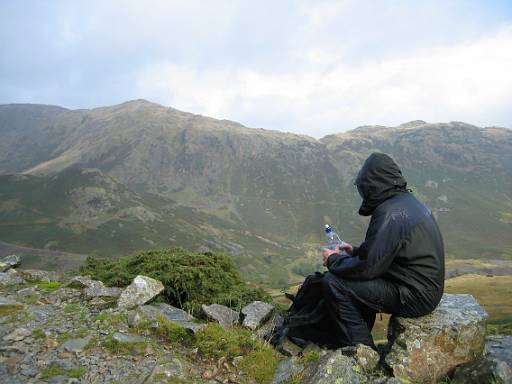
(49, 285)
(190, 279)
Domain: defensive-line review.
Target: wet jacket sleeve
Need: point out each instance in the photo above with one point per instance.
(372, 258)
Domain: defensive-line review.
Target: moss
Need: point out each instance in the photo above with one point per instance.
(72, 308)
(310, 357)
(172, 331)
(190, 279)
(259, 359)
(124, 348)
(31, 299)
(38, 333)
(9, 309)
(110, 318)
(49, 285)
(56, 370)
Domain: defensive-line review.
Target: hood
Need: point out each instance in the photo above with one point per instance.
(379, 179)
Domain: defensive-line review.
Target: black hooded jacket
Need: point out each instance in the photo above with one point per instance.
(403, 243)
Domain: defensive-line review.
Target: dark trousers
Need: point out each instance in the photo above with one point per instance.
(353, 305)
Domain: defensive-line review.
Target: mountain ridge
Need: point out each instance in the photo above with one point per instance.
(260, 195)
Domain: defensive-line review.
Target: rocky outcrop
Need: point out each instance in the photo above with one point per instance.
(427, 348)
(139, 292)
(495, 366)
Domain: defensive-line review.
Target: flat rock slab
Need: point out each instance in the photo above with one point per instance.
(495, 366)
(430, 347)
(124, 338)
(11, 277)
(154, 311)
(76, 345)
(17, 335)
(220, 313)
(139, 292)
(255, 314)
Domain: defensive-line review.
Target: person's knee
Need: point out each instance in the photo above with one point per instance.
(331, 283)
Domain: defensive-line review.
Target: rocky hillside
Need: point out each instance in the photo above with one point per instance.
(72, 329)
(260, 195)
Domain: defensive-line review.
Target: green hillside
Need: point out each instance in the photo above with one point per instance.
(113, 180)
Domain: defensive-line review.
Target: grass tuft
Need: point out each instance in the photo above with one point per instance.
(56, 370)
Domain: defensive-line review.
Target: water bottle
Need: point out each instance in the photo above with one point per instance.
(333, 238)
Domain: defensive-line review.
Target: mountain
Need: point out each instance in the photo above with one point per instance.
(174, 178)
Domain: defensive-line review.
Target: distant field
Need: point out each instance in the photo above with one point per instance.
(494, 293)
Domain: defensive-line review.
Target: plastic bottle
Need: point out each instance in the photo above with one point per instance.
(333, 237)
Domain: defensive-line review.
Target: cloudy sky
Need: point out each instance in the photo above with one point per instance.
(312, 67)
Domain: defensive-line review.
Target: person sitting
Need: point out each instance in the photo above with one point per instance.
(398, 269)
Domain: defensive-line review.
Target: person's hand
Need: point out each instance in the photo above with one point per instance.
(326, 252)
(345, 247)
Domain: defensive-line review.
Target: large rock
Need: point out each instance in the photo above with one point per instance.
(139, 292)
(255, 314)
(11, 260)
(153, 312)
(334, 368)
(426, 348)
(270, 327)
(11, 277)
(220, 313)
(223, 315)
(495, 366)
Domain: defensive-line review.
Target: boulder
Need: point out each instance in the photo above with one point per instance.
(139, 292)
(11, 260)
(11, 277)
(495, 366)
(223, 315)
(255, 314)
(430, 347)
(39, 275)
(334, 368)
(267, 330)
(153, 312)
(365, 356)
